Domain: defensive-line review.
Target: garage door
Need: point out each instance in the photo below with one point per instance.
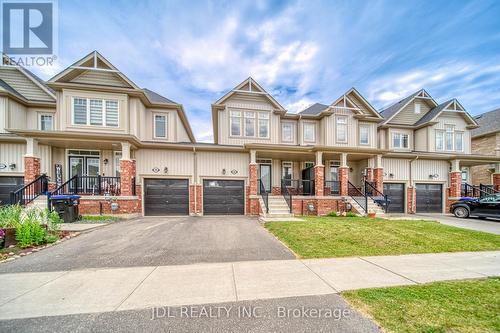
(166, 197)
(429, 198)
(7, 185)
(396, 194)
(223, 197)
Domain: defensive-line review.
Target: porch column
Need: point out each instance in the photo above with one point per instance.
(378, 174)
(252, 173)
(343, 174)
(127, 171)
(31, 161)
(319, 175)
(411, 196)
(455, 180)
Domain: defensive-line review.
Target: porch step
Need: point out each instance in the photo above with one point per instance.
(40, 202)
(278, 208)
(372, 206)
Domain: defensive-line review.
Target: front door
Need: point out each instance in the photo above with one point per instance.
(265, 176)
(84, 166)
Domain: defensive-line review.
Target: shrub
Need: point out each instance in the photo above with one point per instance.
(350, 214)
(54, 221)
(10, 216)
(51, 238)
(333, 214)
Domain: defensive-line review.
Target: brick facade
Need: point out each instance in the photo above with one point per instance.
(276, 190)
(411, 200)
(378, 179)
(496, 181)
(31, 168)
(195, 206)
(485, 145)
(343, 179)
(322, 206)
(127, 173)
(369, 174)
(95, 206)
(252, 178)
(319, 179)
(455, 184)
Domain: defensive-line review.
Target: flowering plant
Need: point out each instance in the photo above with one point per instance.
(2, 234)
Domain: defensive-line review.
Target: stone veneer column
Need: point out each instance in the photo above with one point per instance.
(343, 179)
(319, 180)
(411, 200)
(378, 179)
(455, 184)
(252, 179)
(127, 173)
(31, 168)
(369, 174)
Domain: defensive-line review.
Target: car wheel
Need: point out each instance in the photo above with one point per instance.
(461, 212)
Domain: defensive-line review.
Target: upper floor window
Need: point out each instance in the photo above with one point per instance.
(46, 122)
(250, 123)
(364, 134)
(287, 132)
(449, 139)
(417, 108)
(399, 140)
(341, 122)
(95, 112)
(310, 132)
(160, 126)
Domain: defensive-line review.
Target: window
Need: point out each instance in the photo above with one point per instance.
(287, 132)
(309, 132)
(308, 165)
(118, 157)
(95, 112)
(160, 126)
(364, 134)
(46, 122)
(399, 140)
(439, 140)
(263, 125)
(249, 123)
(465, 175)
(449, 137)
(235, 123)
(334, 170)
(341, 129)
(417, 108)
(459, 141)
(287, 170)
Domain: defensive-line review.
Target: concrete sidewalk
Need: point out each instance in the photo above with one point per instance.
(26, 295)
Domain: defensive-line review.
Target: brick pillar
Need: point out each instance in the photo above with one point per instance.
(411, 200)
(455, 184)
(319, 180)
(343, 178)
(127, 173)
(252, 180)
(378, 178)
(31, 168)
(195, 199)
(369, 174)
(496, 181)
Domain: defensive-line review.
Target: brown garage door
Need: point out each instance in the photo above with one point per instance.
(223, 197)
(166, 197)
(396, 194)
(429, 198)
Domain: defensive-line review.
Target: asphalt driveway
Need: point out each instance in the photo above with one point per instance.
(158, 241)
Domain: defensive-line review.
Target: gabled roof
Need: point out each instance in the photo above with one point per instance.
(314, 109)
(157, 98)
(392, 110)
(434, 112)
(349, 103)
(253, 88)
(450, 105)
(489, 122)
(92, 62)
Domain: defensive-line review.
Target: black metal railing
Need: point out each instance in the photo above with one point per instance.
(332, 187)
(30, 191)
(94, 185)
(377, 196)
(299, 186)
(488, 189)
(473, 191)
(358, 196)
(264, 195)
(133, 185)
(287, 195)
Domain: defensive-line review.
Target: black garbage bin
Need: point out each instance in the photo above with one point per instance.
(66, 206)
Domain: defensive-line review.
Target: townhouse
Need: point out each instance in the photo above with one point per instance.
(127, 149)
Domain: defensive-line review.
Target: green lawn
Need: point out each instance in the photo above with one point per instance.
(459, 306)
(321, 237)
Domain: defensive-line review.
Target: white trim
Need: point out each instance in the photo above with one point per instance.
(345, 124)
(368, 127)
(304, 131)
(401, 134)
(104, 110)
(39, 116)
(164, 115)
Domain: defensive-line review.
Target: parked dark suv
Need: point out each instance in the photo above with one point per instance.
(488, 206)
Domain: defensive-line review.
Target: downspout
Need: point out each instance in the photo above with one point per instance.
(413, 198)
(195, 180)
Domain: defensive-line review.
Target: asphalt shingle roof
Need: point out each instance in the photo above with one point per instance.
(314, 109)
(8, 88)
(432, 113)
(488, 122)
(156, 98)
(393, 109)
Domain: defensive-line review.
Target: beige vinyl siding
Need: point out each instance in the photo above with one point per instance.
(12, 153)
(449, 118)
(212, 164)
(171, 128)
(24, 85)
(33, 117)
(382, 138)
(372, 135)
(422, 169)
(4, 107)
(17, 116)
(182, 135)
(399, 168)
(359, 103)
(137, 115)
(421, 136)
(276, 173)
(178, 162)
(407, 116)
(101, 78)
(45, 154)
(64, 109)
(59, 157)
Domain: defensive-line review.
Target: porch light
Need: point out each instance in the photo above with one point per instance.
(12, 166)
(391, 175)
(310, 207)
(105, 161)
(348, 206)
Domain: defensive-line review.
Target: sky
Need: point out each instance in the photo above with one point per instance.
(301, 52)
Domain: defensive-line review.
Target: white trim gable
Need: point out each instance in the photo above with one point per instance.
(421, 94)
